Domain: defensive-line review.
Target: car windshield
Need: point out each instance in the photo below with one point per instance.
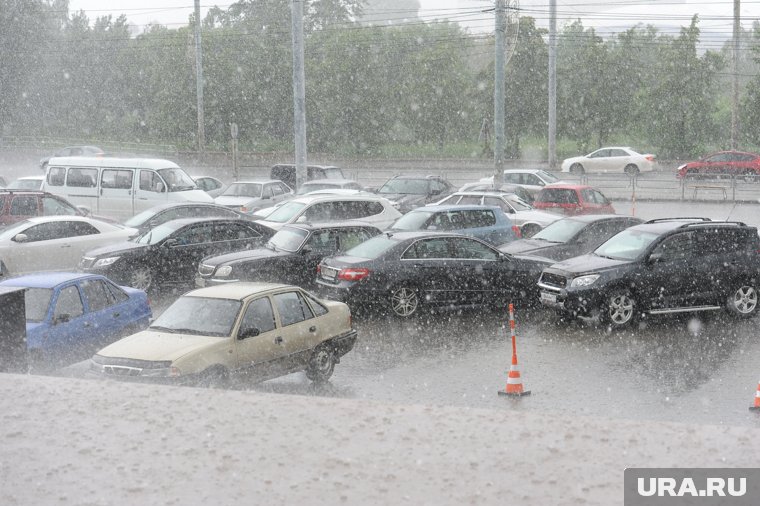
(203, 316)
(408, 186)
(243, 190)
(155, 234)
(372, 248)
(178, 180)
(333, 173)
(288, 239)
(626, 245)
(286, 212)
(140, 218)
(548, 176)
(560, 231)
(413, 220)
(37, 302)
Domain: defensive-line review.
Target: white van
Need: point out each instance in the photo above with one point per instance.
(120, 187)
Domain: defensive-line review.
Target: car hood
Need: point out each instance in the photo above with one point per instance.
(157, 346)
(245, 256)
(233, 201)
(587, 263)
(120, 248)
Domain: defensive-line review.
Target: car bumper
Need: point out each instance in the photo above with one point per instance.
(344, 343)
(577, 302)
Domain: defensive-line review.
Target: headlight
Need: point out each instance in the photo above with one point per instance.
(103, 262)
(680, 167)
(225, 271)
(583, 280)
(164, 372)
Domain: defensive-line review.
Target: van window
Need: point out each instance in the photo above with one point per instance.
(56, 176)
(82, 178)
(150, 181)
(117, 178)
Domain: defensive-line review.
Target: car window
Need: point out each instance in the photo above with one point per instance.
(118, 294)
(286, 212)
(37, 302)
(292, 308)
(234, 232)
(322, 211)
(617, 152)
(195, 234)
(24, 205)
(117, 179)
(267, 191)
(470, 200)
(77, 228)
(496, 201)
(82, 178)
(470, 249)
(600, 153)
(49, 231)
(258, 315)
(428, 249)
(324, 241)
(276, 189)
(558, 196)
(531, 179)
(477, 218)
(56, 176)
(351, 237)
(69, 303)
(52, 206)
(97, 294)
(318, 307)
(677, 247)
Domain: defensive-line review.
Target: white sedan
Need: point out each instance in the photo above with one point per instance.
(610, 159)
(54, 243)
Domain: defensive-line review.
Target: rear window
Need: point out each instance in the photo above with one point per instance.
(557, 196)
(372, 248)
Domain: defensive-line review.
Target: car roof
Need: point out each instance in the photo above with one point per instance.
(444, 207)
(328, 181)
(34, 178)
(590, 218)
(663, 225)
(567, 186)
(256, 181)
(308, 199)
(422, 234)
(87, 162)
(66, 217)
(417, 176)
(240, 290)
(181, 222)
(482, 193)
(308, 166)
(46, 279)
(171, 205)
(529, 171)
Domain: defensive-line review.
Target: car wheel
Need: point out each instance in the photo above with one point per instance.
(214, 377)
(577, 168)
(529, 230)
(405, 301)
(743, 302)
(141, 278)
(749, 176)
(321, 365)
(620, 309)
(632, 170)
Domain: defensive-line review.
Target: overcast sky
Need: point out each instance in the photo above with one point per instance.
(610, 16)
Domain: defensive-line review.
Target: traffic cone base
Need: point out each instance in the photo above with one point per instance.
(527, 392)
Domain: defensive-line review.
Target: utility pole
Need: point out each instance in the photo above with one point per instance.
(735, 72)
(552, 147)
(199, 78)
(498, 94)
(299, 93)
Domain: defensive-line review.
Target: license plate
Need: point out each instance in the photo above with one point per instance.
(329, 273)
(200, 282)
(548, 297)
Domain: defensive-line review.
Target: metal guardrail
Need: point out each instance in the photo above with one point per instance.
(53, 143)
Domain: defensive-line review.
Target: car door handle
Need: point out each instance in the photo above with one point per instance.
(65, 245)
(86, 324)
(278, 340)
(313, 328)
(116, 315)
(142, 198)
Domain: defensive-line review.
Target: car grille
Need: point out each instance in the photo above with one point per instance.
(120, 370)
(124, 367)
(86, 262)
(548, 278)
(205, 269)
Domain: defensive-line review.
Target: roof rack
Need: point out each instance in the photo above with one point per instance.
(713, 223)
(680, 218)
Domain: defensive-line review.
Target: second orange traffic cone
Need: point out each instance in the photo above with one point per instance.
(756, 406)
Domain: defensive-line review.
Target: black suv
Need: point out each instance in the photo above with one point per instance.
(662, 266)
(411, 192)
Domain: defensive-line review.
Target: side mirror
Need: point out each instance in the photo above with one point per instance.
(170, 243)
(655, 257)
(61, 318)
(248, 332)
(306, 249)
(20, 238)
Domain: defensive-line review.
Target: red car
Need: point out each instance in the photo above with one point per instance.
(572, 199)
(729, 163)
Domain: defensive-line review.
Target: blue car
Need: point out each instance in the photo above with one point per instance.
(488, 223)
(71, 315)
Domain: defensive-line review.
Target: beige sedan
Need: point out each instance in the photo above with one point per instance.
(259, 330)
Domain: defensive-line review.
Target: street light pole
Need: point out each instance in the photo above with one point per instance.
(499, 92)
(299, 93)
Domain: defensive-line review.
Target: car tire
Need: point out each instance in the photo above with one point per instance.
(743, 302)
(404, 301)
(631, 169)
(140, 278)
(321, 364)
(529, 230)
(749, 176)
(577, 168)
(214, 377)
(619, 310)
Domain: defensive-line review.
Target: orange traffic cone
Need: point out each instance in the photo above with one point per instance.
(514, 386)
(756, 406)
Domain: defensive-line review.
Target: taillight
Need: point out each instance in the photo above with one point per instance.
(650, 158)
(517, 231)
(353, 274)
(319, 268)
